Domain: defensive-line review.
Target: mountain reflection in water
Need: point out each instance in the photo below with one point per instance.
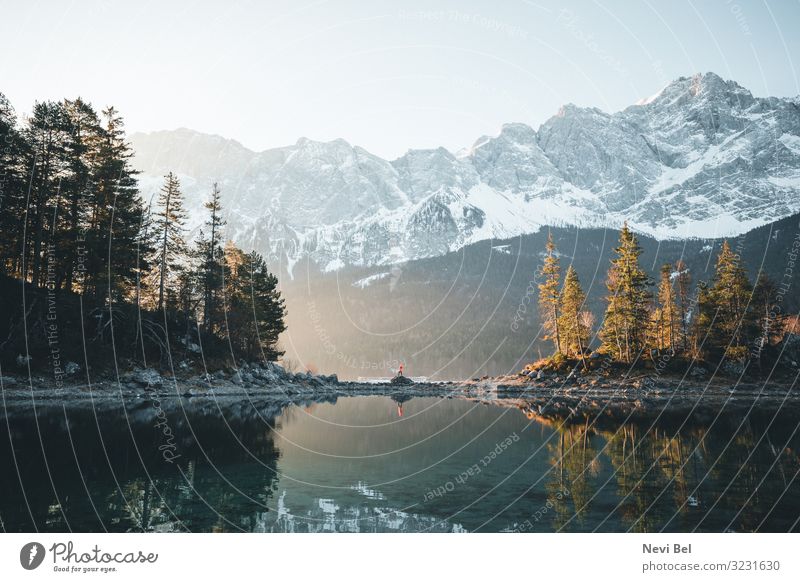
(374, 463)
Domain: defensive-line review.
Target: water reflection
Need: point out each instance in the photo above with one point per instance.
(391, 464)
(649, 476)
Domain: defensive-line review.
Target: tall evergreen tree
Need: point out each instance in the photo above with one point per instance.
(254, 307)
(730, 295)
(83, 139)
(115, 223)
(572, 324)
(665, 322)
(549, 294)
(624, 328)
(12, 189)
(702, 326)
(211, 260)
(684, 282)
(170, 247)
(764, 314)
(45, 133)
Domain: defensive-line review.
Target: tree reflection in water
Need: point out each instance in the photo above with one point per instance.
(673, 477)
(94, 473)
(356, 465)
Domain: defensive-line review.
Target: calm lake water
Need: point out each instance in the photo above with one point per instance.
(374, 464)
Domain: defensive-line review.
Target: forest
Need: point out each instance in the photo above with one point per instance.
(728, 321)
(92, 276)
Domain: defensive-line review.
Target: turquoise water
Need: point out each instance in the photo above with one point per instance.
(372, 463)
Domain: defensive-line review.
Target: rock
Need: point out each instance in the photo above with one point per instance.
(401, 381)
(22, 360)
(71, 368)
(733, 368)
(8, 381)
(147, 377)
(276, 369)
(698, 371)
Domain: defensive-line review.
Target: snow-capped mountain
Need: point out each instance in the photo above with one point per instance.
(702, 158)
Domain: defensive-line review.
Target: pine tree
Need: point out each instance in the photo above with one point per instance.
(665, 321)
(12, 189)
(46, 161)
(171, 248)
(114, 222)
(211, 260)
(730, 294)
(764, 314)
(574, 331)
(254, 309)
(549, 294)
(82, 145)
(684, 281)
(624, 328)
(269, 309)
(706, 316)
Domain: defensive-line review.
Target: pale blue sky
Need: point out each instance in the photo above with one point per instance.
(386, 75)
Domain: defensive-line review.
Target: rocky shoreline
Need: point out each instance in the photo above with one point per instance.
(573, 398)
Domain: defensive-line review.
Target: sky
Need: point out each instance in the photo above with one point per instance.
(385, 75)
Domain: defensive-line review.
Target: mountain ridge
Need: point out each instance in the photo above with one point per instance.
(701, 158)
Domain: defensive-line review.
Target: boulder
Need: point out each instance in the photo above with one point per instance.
(277, 369)
(401, 381)
(147, 377)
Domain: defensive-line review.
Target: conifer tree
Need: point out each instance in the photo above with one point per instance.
(730, 295)
(684, 282)
(572, 324)
(549, 294)
(114, 224)
(83, 140)
(45, 133)
(254, 308)
(211, 260)
(706, 316)
(171, 248)
(12, 188)
(764, 312)
(665, 321)
(624, 328)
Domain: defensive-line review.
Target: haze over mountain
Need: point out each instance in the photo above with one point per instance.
(701, 158)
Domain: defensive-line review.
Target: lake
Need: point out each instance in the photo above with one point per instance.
(375, 463)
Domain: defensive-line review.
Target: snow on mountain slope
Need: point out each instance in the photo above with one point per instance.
(701, 158)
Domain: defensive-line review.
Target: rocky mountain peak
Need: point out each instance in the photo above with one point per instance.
(700, 158)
